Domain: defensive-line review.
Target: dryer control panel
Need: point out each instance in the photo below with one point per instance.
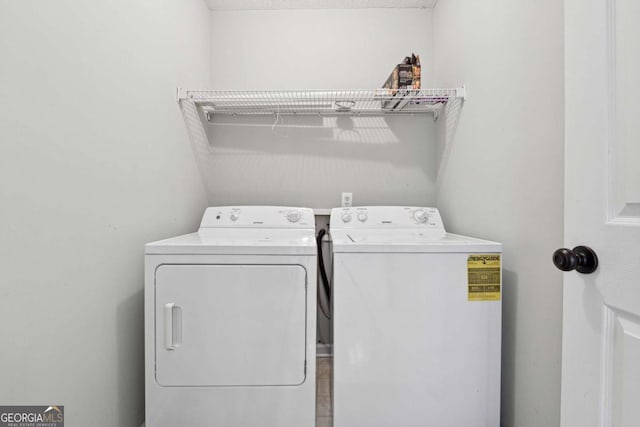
(386, 217)
(258, 217)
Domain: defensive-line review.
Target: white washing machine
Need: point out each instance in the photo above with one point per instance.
(230, 321)
(417, 321)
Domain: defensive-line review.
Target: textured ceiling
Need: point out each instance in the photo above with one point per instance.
(316, 4)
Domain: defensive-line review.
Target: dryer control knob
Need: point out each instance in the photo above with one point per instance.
(234, 215)
(362, 216)
(293, 216)
(346, 217)
(421, 215)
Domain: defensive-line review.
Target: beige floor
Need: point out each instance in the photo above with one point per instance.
(323, 392)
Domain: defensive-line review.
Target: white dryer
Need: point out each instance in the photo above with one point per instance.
(230, 321)
(417, 321)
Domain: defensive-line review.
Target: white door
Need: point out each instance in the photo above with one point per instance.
(230, 325)
(601, 325)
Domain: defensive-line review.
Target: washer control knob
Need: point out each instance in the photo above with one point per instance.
(234, 215)
(346, 217)
(362, 216)
(421, 215)
(293, 216)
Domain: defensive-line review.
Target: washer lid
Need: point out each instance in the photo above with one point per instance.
(408, 241)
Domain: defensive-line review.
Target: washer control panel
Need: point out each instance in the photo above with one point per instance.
(386, 217)
(258, 217)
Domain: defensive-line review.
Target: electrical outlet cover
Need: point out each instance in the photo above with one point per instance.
(347, 200)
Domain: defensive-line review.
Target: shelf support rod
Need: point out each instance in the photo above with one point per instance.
(180, 94)
(461, 92)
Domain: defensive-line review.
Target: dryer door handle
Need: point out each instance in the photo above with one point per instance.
(172, 326)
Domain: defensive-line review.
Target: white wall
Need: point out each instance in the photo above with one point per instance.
(316, 49)
(505, 176)
(94, 162)
(309, 161)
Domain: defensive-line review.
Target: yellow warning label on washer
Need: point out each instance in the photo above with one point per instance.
(483, 272)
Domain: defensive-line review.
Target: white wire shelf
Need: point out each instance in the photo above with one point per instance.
(200, 106)
(349, 102)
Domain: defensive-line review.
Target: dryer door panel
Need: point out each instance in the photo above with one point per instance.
(230, 325)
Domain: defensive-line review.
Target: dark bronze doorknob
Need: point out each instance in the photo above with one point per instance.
(582, 259)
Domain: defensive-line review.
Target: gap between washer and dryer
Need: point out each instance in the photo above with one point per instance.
(324, 398)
